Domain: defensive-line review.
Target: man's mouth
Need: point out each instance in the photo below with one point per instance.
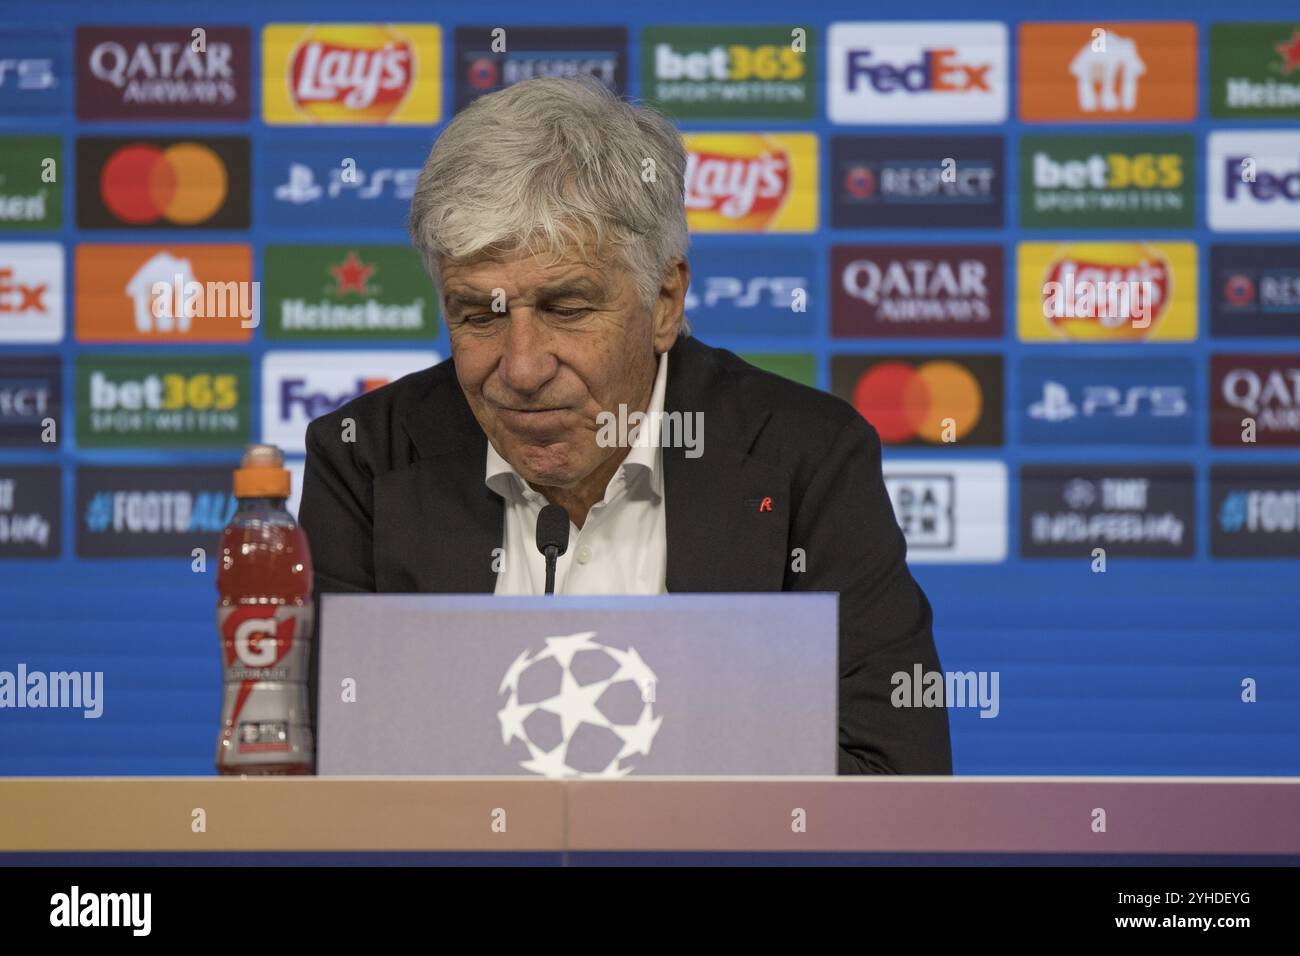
(531, 419)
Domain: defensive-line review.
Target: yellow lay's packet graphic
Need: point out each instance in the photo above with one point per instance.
(352, 74)
(751, 182)
(1106, 291)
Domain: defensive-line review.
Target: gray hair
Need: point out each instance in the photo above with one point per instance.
(549, 164)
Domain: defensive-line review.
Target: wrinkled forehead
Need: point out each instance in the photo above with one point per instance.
(529, 272)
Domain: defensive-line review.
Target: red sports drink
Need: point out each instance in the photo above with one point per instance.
(264, 618)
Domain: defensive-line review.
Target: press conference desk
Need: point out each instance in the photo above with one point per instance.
(421, 820)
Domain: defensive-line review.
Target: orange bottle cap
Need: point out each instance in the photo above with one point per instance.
(261, 473)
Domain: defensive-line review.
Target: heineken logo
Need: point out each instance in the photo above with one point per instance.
(348, 292)
(1255, 70)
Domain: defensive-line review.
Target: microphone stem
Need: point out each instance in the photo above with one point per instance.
(552, 553)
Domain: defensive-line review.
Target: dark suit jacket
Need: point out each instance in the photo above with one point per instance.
(404, 508)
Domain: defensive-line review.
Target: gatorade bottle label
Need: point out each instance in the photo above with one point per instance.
(265, 719)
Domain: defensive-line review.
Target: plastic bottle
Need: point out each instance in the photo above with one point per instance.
(264, 619)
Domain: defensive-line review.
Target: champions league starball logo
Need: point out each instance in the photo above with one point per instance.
(582, 708)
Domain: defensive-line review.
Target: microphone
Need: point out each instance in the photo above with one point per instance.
(552, 539)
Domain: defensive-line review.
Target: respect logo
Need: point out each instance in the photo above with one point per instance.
(751, 182)
(917, 182)
(352, 73)
(1107, 181)
(1106, 292)
(1254, 290)
(30, 401)
(490, 58)
(168, 401)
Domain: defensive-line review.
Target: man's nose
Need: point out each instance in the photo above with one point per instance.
(527, 362)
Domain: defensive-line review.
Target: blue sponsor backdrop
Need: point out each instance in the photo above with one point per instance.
(1135, 671)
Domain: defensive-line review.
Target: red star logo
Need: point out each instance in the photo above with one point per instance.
(1290, 50)
(351, 275)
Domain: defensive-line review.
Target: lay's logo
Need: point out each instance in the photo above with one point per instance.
(751, 182)
(368, 74)
(1107, 291)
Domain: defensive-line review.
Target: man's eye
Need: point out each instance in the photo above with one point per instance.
(480, 318)
(567, 312)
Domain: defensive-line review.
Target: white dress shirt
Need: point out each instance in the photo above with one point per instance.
(622, 548)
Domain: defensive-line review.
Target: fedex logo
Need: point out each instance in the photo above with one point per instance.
(917, 73)
(16, 296)
(1254, 181)
(295, 396)
(1243, 175)
(300, 386)
(937, 70)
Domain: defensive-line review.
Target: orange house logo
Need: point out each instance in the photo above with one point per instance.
(165, 294)
(751, 182)
(1107, 72)
(344, 74)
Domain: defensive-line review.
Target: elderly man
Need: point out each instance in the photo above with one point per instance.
(551, 217)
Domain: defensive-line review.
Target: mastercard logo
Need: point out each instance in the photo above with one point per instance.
(185, 184)
(906, 401)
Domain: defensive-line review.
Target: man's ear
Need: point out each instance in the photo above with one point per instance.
(670, 305)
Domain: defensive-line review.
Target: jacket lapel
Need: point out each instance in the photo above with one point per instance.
(727, 513)
(436, 523)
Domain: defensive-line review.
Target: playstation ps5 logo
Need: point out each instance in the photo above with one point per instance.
(389, 183)
(1160, 401)
(580, 707)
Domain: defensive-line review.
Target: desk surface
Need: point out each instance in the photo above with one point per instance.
(1010, 815)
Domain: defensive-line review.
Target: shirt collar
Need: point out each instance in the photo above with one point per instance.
(642, 459)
